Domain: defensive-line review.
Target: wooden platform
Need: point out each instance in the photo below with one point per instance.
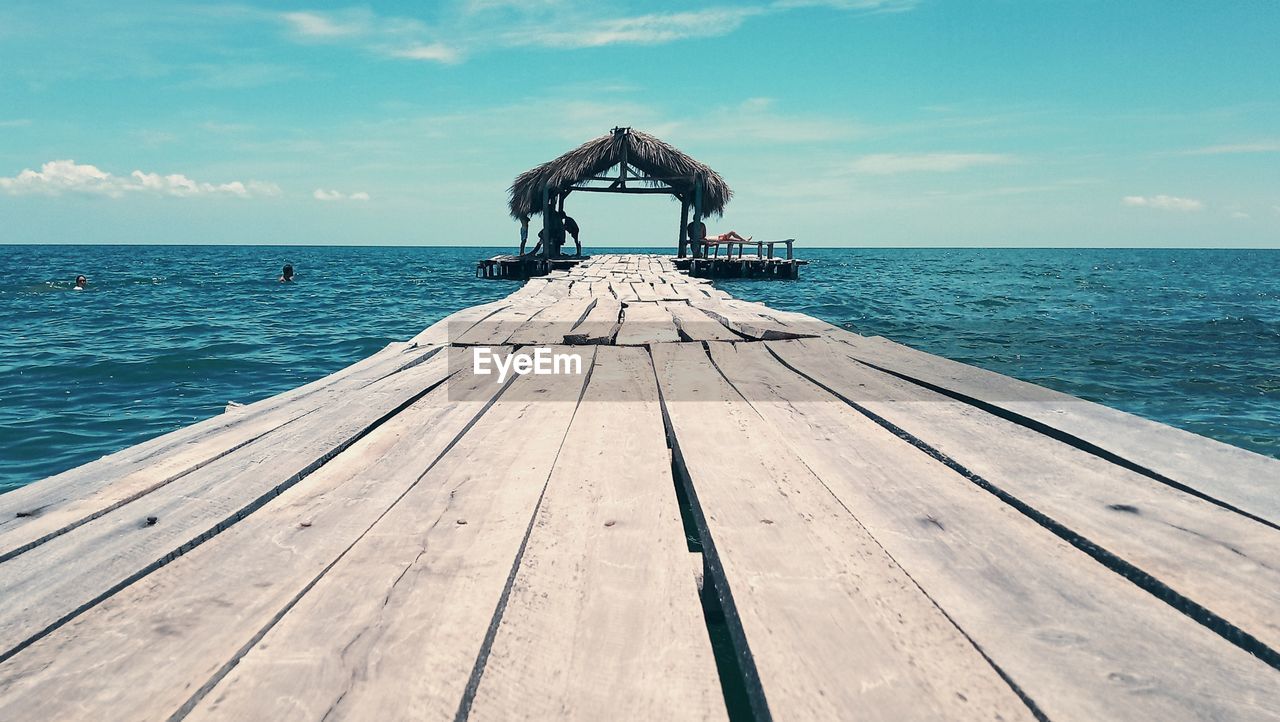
(515, 267)
(731, 512)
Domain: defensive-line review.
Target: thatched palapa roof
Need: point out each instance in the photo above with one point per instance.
(662, 162)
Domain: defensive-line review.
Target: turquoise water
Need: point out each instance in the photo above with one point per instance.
(166, 336)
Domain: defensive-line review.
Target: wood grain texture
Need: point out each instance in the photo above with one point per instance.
(1235, 476)
(37, 512)
(172, 632)
(97, 558)
(833, 623)
(394, 629)
(1225, 562)
(645, 323)
(1072, 634)
(603, 621)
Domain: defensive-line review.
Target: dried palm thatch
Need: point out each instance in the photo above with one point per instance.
(653, 156)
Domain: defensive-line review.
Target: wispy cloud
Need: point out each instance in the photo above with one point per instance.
(1164, 203)
(15, 123)
(1265, 146)
(67, 176)
(438, 52)
(565, 24)
(651, 29)
(894, 163)
(882, 6)
(322, 194)
(391, 36)
(326, 26)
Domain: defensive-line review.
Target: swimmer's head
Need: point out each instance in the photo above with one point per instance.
(81, 281)
(287, 273)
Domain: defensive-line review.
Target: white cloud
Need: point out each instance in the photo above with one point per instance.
(67, 176)
(566, 24)
(894, 163)
(438, 52)
(652, 29)
(324, 27)
(1266, 146)
(1163, 202)
(883, 6)
(396, 37)
(15, 123)
(322, 194)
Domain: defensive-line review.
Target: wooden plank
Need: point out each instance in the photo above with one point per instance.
(98, 558)
(644, 291)
(604, 620)
(748, 321)
(1035, 593)
(442, 332)
(1233, 476)
(497, 328)
(623, 291)
(399, 622)
(166, 635)
(666, 291)
(1225, 562)
(552, 323)
(646, 323)
(34, 514)
(832, 623)
(698, 326)
(600, 325)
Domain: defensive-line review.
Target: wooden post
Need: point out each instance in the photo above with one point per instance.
(698, 249)
(546, 223)
(684, 228)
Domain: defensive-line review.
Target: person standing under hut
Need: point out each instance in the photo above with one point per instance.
(570, 226)
(524, 232)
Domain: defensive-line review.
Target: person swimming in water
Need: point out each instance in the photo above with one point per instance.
(81, 283)
(286, 274)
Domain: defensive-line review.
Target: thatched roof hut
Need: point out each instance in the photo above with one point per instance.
(653, 165)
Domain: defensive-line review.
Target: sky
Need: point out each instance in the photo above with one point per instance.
(836, 122)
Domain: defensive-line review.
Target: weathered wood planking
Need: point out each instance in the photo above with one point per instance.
(695, 325)
(397, 625)
(1225, 562)
(1234, 476)
(603, 621)
(172, 632)
(645, 323)
(600, 325)
(497, 328)
(1043, 611)
(878, 547)
(554, 322)
(748, 321)
(833, 624)
(113, 550)
(38, 512)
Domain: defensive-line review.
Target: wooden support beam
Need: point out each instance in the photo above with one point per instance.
(683, 236)
(611, 189)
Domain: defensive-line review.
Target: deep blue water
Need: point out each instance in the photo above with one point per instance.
(166, 336)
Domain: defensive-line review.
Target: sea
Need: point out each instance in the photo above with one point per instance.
(165, 336)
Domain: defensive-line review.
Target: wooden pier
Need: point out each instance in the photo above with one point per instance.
(729, 512)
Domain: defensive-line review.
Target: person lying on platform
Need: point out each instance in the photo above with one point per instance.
(699, 238)
(571, 227)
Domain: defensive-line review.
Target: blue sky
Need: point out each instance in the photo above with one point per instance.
(837, 122)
